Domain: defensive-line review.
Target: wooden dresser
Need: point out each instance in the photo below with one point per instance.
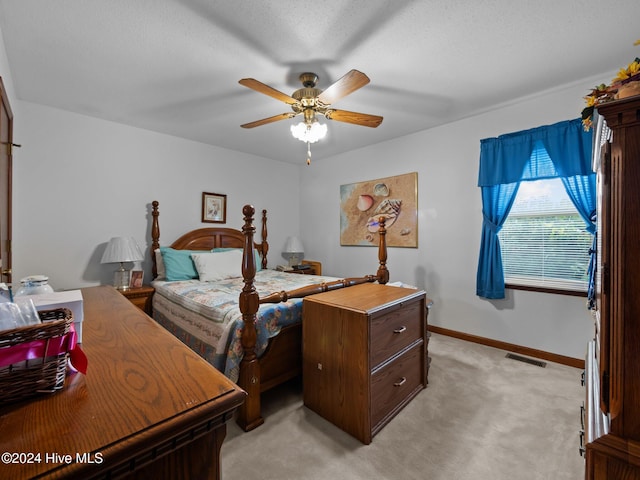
(364, 353)
(148, 407)
(612, 407)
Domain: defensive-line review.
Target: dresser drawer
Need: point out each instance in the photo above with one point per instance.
(394, 329)
(396, 383)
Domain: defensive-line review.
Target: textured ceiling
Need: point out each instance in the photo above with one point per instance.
(173, 66)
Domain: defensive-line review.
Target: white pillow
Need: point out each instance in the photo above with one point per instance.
(218, 265)
(162, 274)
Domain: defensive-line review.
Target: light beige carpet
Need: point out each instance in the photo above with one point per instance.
(483, 416)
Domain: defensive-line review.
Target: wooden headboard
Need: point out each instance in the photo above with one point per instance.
(206, 238)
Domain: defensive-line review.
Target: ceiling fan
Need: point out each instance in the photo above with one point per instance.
(310, 101)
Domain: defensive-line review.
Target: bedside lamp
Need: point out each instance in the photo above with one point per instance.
(293, 251)
(120, 250)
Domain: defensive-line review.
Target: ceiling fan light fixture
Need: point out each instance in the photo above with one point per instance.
(311, 101)
(309, 132)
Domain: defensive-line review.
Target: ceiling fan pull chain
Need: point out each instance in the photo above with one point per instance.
(308, 153)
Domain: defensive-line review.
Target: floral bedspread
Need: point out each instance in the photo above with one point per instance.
(206, 315)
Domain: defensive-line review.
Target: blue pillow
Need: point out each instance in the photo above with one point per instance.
(257, 255)
(178, 264)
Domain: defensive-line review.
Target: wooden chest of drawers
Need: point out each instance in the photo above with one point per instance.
(364, 355)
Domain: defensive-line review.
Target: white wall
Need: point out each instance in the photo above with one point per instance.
(450, 217)
(79, 181)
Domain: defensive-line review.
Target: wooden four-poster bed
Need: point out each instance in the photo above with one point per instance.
(266, 353)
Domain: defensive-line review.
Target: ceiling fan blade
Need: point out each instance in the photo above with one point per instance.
(264, 121)
(349, 83)
(356, 118)
(267, 90)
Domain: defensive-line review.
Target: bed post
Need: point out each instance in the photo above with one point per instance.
(382, 273)
(155, 237)
(265, 244)
(249, 379)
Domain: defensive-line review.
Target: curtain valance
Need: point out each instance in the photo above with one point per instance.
(503, 159)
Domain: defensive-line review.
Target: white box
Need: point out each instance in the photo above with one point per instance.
(71, 299)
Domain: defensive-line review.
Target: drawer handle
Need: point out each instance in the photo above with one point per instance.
(401, 382)
(400, 330)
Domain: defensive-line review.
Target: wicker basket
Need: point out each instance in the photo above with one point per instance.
(25, 379)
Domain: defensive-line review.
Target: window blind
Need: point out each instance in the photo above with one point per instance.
(543, 241)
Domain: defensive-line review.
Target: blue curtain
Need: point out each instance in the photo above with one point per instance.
(503, 159)
(497, 201)
(559, 150)
(581, 190)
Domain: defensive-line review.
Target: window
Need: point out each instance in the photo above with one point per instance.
(544, 241)
(507, 163)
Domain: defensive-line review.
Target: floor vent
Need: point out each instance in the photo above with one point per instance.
(537, 363)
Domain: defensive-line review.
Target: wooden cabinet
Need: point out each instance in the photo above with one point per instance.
(149, 407)
(364, 352)
(612, 407)
(141, 297)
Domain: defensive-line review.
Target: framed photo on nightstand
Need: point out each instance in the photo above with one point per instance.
(136, 279)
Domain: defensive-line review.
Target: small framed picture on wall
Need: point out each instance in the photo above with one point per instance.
(214, 207)
(136, 278)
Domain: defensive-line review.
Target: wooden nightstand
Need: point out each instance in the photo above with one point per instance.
(140, 297)
(307, 271)
(316, 268)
